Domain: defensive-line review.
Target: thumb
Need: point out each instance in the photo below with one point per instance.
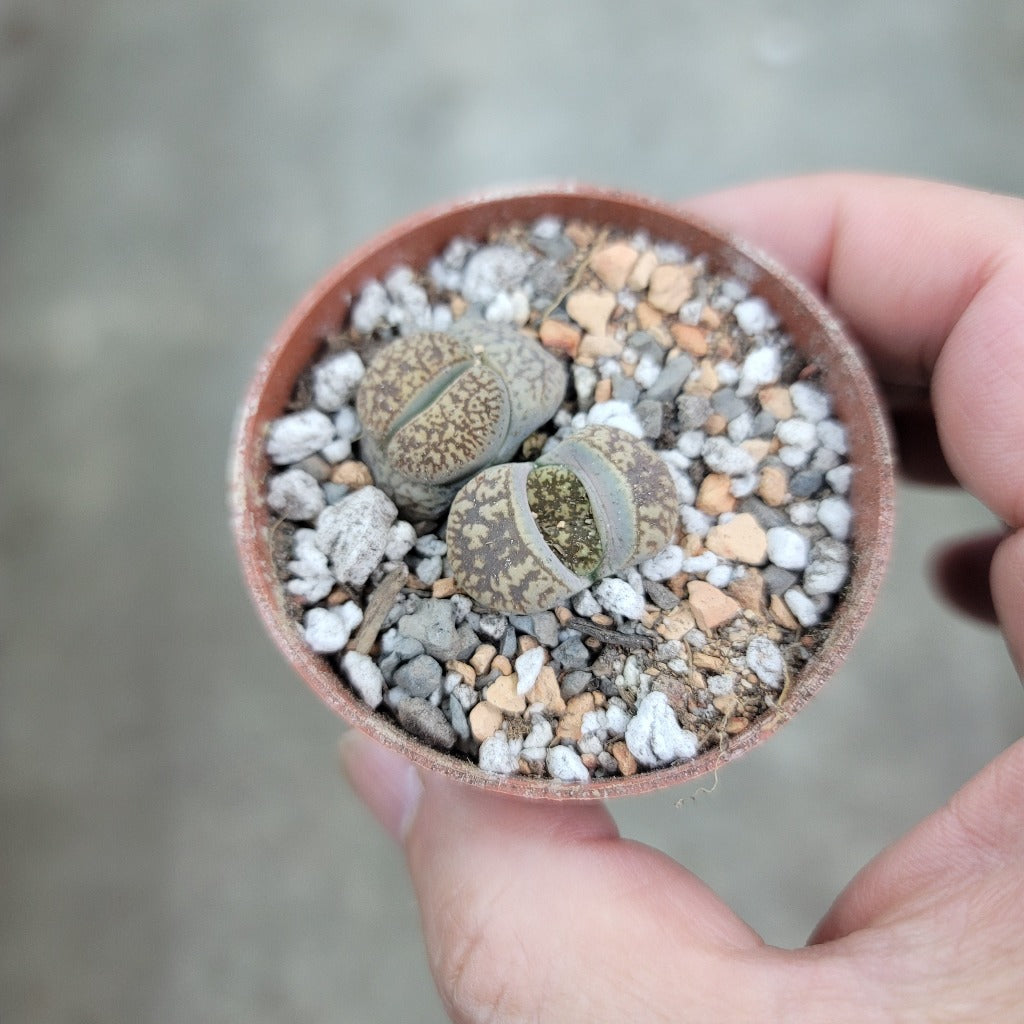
(522, 901)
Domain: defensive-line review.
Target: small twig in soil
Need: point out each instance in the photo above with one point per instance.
(377, 608)
(577, 275)
(610, 636)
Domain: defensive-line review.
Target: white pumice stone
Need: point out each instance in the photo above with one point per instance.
(690, 443)
(401, 537)
(527, 668)
(337, 450)
(441, 317)
(547, 227)
(727, 372)
(825, 459)
(499, 309)
(723, 456)
(565, 764)
(535, 748)
(832, 434)
(762, 366)
(335, 380)
(793, 457)
(721, 685)
(296, 495)
(299, 434)
(788, 549)
(655, 737)
(720, 576)
(430, 544)
(618, 598)
(839, 478)
(745, 485)
(698, 565)
(428, 570)
(364, 677)
(677, 465)
(765, 660)
(824, 576)
(753, 316)
(647, 372)
(739, 428)
(618, 414)
(803, 513)
(354, 533)
(370, 308)
(617, 719)
(493, 269)
(346, 424)
(665, 564)
(585, 604)
(836, 515)
(799, 433)
(803, 608)
(325, 632)
(810, 401)
(832, 549)
(310, 589)
(694, 521)
(498, 755)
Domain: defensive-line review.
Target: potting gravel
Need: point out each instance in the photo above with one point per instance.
(641, 670)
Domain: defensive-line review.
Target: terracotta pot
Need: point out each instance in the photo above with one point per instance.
(815, 333)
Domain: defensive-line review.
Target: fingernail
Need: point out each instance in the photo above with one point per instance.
(386, 782)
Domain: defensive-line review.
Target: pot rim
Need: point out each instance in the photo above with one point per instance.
(815, 330)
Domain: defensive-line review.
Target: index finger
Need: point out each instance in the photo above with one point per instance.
(930, 278)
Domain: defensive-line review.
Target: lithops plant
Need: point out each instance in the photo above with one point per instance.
(438, 406)
(523, 537)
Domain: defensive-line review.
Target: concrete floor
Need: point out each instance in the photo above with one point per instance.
(177, 843)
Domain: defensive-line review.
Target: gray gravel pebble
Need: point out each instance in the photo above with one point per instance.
(671, 379)
(422, 719)
(457, 716)
(660, 595)
(420, 677)
(575, 682)
(572, 653)
(778, 580)
(805, 483)
(433, 624)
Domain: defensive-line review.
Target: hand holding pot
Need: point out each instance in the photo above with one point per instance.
(930, 277)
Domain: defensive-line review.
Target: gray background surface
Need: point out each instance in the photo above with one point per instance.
(176, 842)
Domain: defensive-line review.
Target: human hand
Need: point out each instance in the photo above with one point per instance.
(931, 280)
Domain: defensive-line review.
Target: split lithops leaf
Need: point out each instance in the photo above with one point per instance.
(437, 407)
(522, 537)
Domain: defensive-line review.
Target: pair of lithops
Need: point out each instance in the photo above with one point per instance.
(442, 414)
